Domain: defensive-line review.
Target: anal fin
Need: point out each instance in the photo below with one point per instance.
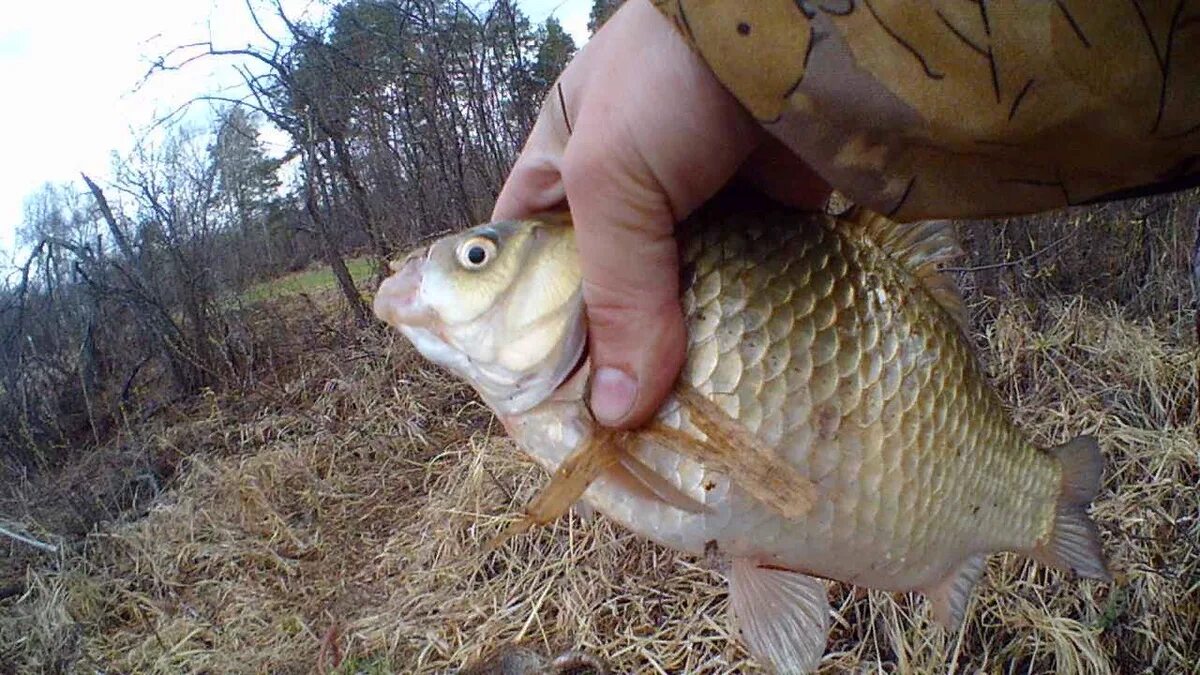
(782, 616)
(948, 599)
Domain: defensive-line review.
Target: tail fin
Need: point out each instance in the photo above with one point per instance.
(1074, 544)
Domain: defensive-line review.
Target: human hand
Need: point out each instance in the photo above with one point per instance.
(637, 134)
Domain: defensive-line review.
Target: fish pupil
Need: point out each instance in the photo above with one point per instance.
(476, 255)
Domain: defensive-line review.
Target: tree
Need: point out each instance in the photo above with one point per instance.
(554, 50)
(246, 190)
(601, 10)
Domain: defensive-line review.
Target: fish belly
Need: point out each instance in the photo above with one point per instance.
(858, 530)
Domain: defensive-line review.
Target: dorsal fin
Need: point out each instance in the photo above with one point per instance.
(920, 247)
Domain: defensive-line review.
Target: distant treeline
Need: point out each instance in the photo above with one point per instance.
(402, 118)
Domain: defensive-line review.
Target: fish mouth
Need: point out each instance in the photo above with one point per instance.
(398, 299)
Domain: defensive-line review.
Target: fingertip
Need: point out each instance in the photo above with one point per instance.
(660, 370)
(613, 394)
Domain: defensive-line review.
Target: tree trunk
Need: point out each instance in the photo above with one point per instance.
(329, 249)
(358, 196)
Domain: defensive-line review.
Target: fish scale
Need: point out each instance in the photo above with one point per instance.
(831, 419)
(887, 429)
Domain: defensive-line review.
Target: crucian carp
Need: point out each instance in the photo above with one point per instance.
(832, 420)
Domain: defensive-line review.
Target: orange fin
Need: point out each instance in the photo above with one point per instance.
(782, 616)
(568, 483)
(1074, 543)
(948, 599)
(606, 452)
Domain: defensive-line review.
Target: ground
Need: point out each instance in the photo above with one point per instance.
(315, 279)
(332, 518)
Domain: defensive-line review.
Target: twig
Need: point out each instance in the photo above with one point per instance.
(1012, 263)
(49, 548)
(496, 480)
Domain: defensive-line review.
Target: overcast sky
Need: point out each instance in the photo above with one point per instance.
(68, 71)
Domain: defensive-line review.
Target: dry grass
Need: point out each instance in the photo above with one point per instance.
(341, 515)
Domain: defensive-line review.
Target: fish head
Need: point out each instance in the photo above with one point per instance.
(500, 305)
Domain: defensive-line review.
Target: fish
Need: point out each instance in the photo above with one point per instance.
(832, 420)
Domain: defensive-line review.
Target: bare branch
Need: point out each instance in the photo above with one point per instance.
(263, 31)
(106, 211)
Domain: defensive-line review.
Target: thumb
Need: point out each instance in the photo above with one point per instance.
(624, 231)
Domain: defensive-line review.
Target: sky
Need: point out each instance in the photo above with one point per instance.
(70, 74)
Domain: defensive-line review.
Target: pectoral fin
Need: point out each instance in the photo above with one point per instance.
(782, 616)
(948, 600)
(567, 484)
(633, 470)
(605, 453)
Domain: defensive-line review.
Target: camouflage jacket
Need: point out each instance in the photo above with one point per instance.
(957, 108)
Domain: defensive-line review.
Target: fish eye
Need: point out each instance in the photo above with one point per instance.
(476, 253)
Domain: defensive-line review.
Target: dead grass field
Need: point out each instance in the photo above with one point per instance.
(332, 521)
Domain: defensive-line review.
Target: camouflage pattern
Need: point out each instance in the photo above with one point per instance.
(952, 108)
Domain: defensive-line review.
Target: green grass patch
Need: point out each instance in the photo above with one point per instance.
(313, 280)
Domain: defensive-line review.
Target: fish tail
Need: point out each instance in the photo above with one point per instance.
(1074, 543)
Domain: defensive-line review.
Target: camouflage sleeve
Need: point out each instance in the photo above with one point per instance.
(946, 108)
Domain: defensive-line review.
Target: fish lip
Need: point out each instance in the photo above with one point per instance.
(398, 299)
